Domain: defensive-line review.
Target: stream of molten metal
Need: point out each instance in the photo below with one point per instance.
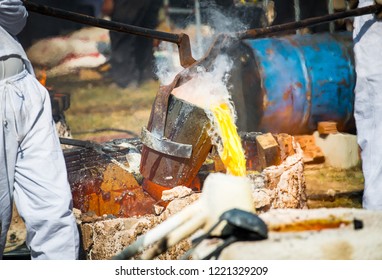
(232, 154)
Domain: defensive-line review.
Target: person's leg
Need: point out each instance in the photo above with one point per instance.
(124, 63)
(368, 104)
(144, 53)
(368, 115)
(124, 69)
(42, 192)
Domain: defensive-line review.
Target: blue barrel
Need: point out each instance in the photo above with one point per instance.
(301, 80)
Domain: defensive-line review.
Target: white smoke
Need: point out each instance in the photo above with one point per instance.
(201, 38)
(206, 89)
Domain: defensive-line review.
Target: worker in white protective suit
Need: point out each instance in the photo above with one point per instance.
(32, 167)
(368, 102)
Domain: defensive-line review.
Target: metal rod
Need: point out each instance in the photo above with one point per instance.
(177, 38)
(261, 32)
(331, 11)
(182, 40)
(180, 11)
(99, 149)
(198, 24)
(78, 143)
(102, 23)
(297, 12)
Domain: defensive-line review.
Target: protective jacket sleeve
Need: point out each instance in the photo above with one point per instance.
(13, 16)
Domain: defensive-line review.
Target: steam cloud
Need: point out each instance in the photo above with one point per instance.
(208, 88)
(167, 60)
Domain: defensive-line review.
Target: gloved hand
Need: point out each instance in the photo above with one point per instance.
(378, 15)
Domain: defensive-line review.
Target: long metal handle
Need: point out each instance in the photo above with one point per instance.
(182, 40)
(262, 32)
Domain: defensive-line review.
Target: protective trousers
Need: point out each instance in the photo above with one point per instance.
(368, 103)
(33, 172)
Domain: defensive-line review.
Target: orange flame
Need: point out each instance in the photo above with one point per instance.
(42, 78)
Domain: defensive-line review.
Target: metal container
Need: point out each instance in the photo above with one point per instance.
(289, 84)
(185, 123)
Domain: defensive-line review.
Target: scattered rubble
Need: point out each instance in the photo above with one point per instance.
(281, 186)
(104, 239)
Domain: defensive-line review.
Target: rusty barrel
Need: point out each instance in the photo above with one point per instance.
(185, 123)
(288, 84)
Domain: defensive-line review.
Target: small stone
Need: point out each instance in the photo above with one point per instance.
(158, 209)
(176, 192)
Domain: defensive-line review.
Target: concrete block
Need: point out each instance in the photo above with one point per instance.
(268, 150)
(312, 153)
(327, 127)
(340, 149)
